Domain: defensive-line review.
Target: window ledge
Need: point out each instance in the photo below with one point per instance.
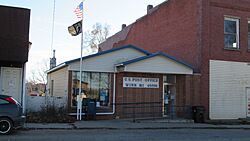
(233, 49)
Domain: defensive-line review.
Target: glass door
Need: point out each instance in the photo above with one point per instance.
(166, 100)
(169, 95)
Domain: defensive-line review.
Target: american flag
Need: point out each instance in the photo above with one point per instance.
(78, 10)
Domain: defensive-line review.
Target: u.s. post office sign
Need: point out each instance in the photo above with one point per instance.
(139, 82)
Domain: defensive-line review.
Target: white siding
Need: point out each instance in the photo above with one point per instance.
(158, 64)
(228, 82)
(106, 62)
(11, 82)
(60, 78)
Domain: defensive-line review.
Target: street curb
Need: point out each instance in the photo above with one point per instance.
(142, 128)
(68, 126)
(127, 126)
(162, 128)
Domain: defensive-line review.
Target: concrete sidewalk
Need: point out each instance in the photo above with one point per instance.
(128, 124)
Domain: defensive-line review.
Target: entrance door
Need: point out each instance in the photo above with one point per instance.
(248, 101)
(169, 100)
(11, 81)
(166, 100)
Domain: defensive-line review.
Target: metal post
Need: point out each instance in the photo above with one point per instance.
(80, 89)
(79, 114)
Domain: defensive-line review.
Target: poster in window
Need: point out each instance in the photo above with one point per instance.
(103, 95)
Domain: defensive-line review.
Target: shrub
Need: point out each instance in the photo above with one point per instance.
(50, 114)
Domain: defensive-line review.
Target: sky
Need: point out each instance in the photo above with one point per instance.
(111, 12)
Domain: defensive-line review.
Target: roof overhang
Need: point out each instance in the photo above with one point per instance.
(155, 63)
(60, 66)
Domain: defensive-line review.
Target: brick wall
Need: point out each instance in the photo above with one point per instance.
(187, 95)
(172, 28)
(143, 102)
(213, 12)
(188, 90)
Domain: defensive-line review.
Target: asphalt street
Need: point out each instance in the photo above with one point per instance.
(130, 135)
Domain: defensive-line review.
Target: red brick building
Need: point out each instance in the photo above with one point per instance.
(211, 35)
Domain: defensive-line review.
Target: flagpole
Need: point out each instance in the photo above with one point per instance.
(80, 89)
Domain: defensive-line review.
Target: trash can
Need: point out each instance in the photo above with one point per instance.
(198, 113)
(91, 109)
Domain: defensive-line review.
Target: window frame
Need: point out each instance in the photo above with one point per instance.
(103, 103)
(237, 20)
(248, 34)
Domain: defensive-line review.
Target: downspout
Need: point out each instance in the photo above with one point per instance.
(114, 85)
(24, 89)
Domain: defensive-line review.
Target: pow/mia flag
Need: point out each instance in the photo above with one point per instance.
(75, 29)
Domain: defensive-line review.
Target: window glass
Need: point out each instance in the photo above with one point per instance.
(231, 31)
(3, 102)
(95, 85)
(230, 26)
(86, 83)
(171, 79)
(75, 87)
(164, 78)
(230, 41)
(104, 89)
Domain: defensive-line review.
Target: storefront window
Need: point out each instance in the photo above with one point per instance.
(104, 88)
(86, 82)
(75, 88)
(95, 85)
